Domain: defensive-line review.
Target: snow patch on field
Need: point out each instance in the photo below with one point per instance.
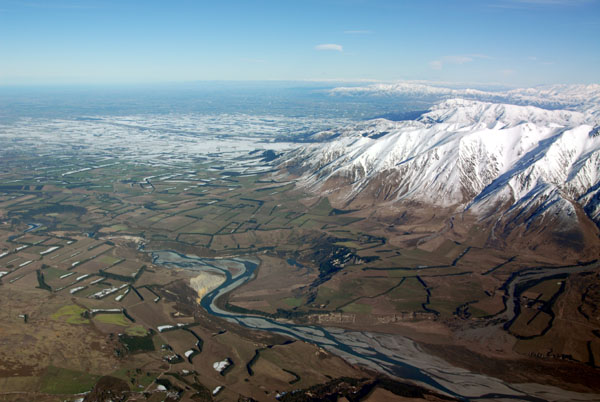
(222, 365)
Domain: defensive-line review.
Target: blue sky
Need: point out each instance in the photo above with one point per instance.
(512, 42)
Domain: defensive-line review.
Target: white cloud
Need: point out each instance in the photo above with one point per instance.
(329, 46)
(436, 64)
(456, 59)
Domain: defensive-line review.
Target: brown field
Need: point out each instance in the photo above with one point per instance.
(363, 270)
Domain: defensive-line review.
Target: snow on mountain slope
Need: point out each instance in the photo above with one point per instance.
(409, 89)
(470, 155)
(582, 98)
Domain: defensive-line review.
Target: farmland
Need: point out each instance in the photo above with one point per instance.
(77, 232)
(74, 248)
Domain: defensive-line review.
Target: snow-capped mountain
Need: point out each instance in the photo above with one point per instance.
(582, 98)
(408, 89)
(489, 159)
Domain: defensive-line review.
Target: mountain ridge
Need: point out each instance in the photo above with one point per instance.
(520, 165)
(577, 97)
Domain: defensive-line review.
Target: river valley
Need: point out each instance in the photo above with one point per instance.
(393, 355)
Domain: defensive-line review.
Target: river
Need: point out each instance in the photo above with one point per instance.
(393, 355)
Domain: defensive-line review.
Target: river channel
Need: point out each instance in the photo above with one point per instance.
(390, 354)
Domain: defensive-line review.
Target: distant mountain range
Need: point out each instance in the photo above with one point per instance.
(517, 168)
(582, 98)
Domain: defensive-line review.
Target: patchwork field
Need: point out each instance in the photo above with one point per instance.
(84, 299)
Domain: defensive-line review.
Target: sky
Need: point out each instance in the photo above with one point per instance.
(507, 42)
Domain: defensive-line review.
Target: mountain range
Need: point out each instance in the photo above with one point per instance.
(582, 98)
(517, 170)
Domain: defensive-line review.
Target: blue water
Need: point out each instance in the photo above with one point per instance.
(398, 368)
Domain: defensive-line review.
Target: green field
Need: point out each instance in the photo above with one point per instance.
(71, 314)
(115, 319)
(57, 380)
